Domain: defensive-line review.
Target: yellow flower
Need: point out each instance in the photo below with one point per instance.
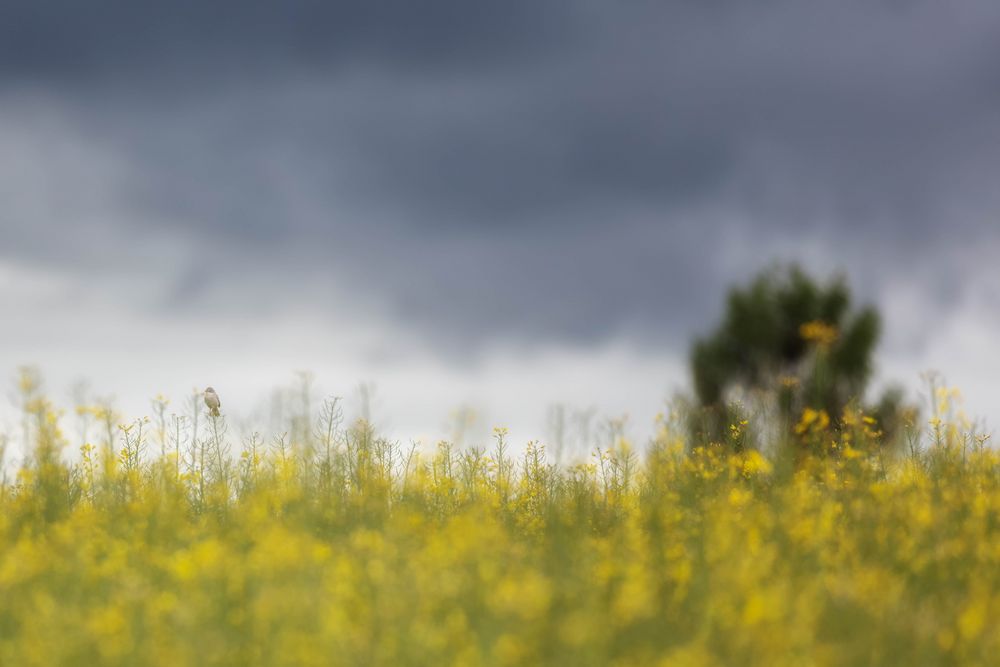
(818, 332)
(812, 421)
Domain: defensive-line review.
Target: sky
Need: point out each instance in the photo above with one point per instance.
(502, 206)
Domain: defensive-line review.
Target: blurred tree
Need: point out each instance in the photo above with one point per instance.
(794, 338)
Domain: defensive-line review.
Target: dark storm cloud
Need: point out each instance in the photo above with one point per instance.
(68, 41)
(530, 169)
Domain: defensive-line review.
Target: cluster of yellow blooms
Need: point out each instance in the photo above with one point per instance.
(819, 332)
(368, 556)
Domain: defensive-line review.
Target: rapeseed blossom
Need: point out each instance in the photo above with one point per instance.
(358, 551)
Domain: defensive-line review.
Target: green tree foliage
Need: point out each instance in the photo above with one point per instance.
(794, 337)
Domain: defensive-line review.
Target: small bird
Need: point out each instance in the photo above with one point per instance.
(212, 401)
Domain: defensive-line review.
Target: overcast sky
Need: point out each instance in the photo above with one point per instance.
(503, 205)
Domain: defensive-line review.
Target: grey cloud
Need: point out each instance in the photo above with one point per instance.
(523, 170)
(69, 42)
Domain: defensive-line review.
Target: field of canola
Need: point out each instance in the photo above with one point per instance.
(347, 549)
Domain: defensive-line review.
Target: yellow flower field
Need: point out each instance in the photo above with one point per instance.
(354, 551)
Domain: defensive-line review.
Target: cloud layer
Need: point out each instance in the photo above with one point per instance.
(441, 182)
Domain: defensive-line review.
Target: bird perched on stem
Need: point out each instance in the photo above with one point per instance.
(212, 401)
